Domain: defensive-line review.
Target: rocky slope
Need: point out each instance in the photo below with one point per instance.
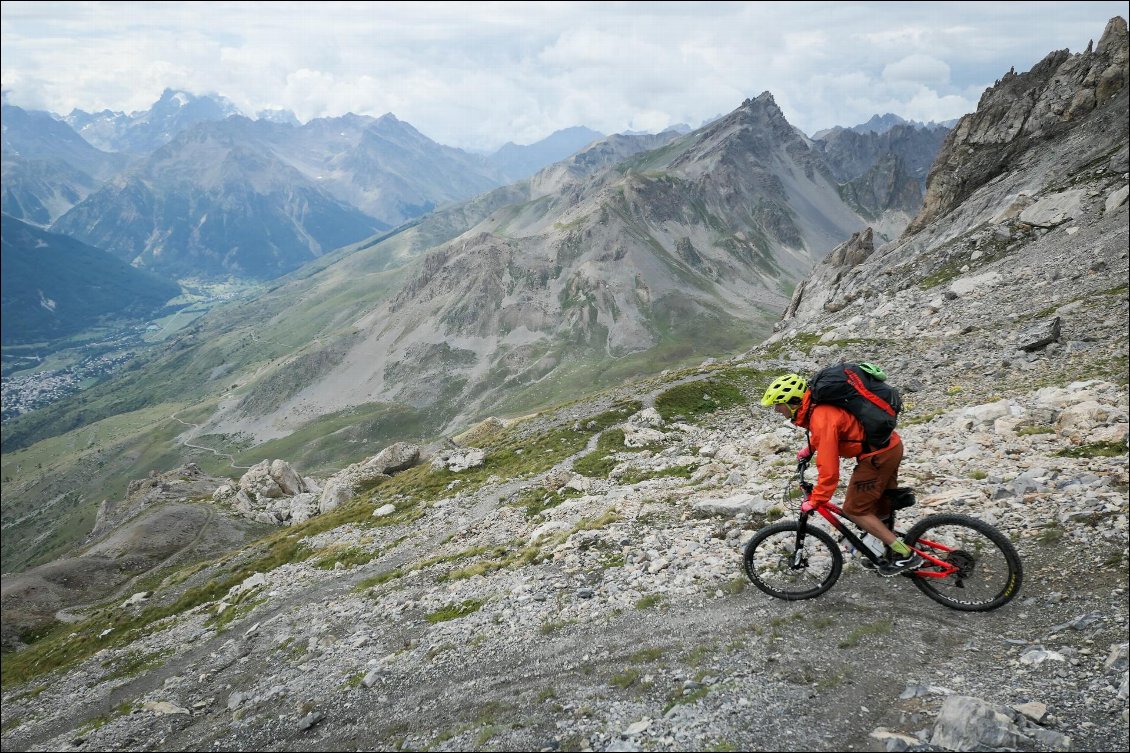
(1022, 113)
(566, 603)
(576, 585)
(47, 167)
(591, 274)
(214, 203)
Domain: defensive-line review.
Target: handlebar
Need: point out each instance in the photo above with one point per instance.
(805, 486)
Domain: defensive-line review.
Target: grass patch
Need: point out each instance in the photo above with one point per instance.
(689, 401)
(514, 456)
(65, 645)
(882, 627)
(689, 695)
(599, 463)
(126, 707)
(554, 625)
(455, 611)
(1094, 450)
(625, 679)
(378, 579)
(1051, 534)
(537, 500)
(233, 612)
(135, 663)
(649, 601)
(1026, 431)
(506, 557)
(349, 557)
(978, 475)
(735, 586)
(646, 655)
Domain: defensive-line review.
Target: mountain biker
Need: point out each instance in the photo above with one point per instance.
(833, 432)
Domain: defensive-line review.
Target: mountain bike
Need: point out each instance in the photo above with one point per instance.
(970, 566)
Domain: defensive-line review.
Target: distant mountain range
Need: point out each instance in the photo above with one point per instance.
(54, 286)
(142, 132)
(222, 195)
(880, 124)
(636, 253)
(47, 167)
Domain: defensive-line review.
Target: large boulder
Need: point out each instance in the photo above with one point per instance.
(271, 479)
(393, 459)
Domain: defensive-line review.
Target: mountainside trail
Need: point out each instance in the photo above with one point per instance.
(573, 580)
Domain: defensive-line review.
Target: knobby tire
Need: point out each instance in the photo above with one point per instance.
(768, 559)
(990, 573)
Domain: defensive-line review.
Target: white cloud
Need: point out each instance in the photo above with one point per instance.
(480, 74)
(918, 68)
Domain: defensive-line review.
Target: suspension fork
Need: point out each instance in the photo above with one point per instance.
(801, 531)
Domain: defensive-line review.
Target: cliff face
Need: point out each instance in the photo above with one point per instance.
(1019, 113)
(1044, 149)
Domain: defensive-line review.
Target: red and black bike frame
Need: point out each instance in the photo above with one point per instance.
(935, 568)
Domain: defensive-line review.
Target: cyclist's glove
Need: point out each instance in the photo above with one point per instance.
(804, 453)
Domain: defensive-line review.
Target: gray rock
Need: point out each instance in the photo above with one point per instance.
(966, 723)
(1040, 336)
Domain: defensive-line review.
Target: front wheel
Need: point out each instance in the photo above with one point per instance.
(776, 566)
(981, 569)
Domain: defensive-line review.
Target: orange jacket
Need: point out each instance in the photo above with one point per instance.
(834, 433)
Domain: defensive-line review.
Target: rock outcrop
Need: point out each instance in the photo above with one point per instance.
(1020, 112)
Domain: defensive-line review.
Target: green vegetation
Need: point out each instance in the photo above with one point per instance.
(513, 456)
(234, 611)
(554, 625)
(882, 627)
(645, 655)
(349, 557)
(689, 401)
(1095, 450)
(66, 644)
(135, 663)
(649, 601)
(455, 611)
(537, 500)
(978, 475)
(1051, 534)
(354, 680)
(378, 579)
(599, 463)
(735, 586)
(625, 679)
(126, 707)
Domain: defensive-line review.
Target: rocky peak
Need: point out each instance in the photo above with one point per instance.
(1021, 110)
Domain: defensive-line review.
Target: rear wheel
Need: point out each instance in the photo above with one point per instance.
(774, 564)
(988, 573)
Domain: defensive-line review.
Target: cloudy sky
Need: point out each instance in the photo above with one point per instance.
(478, 74)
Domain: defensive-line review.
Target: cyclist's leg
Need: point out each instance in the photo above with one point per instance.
(864, 502)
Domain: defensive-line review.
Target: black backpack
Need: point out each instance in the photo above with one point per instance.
(874, 402)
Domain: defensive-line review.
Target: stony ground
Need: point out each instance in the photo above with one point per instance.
(617, 617)
(636, 631)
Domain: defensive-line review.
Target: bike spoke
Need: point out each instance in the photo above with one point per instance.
(982, 570)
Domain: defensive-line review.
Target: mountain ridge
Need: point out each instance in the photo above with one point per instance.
(571, 579)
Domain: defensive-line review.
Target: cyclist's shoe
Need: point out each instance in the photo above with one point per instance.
(901, 565)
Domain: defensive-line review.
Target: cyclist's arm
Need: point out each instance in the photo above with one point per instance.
(825, 442)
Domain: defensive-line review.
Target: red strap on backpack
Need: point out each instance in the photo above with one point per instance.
(857, 383)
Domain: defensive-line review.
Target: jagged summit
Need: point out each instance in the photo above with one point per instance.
(1057, 95)
(570, 578)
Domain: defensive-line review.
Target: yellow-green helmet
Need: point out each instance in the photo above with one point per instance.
(785, 388)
